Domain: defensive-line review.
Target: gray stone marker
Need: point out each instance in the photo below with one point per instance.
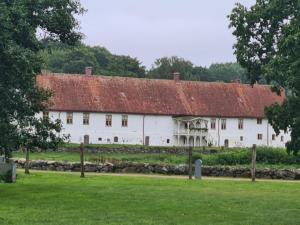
(8, 167)
(198, 172)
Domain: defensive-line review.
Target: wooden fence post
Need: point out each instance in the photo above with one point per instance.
(190, 151)
(253, 163)
(81, 160)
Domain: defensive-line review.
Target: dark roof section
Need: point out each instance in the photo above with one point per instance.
(80, 93)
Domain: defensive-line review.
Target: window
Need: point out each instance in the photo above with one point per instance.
(99, 139)
(282, 139)
(241, 138)
(213, 124)
(168, 141)
(223, 124)
(45, 115)
(241, 124)
(259, 136)
(69, 118)
(124, 121)
(116, 139)
(259, 121)
(273, 137)
(86, 118)
(108, 121)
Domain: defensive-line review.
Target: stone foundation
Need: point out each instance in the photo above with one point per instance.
(122, 167)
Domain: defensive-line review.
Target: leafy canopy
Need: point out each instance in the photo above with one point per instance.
(268, 46)
(21, 23)
(61, 58)
(163, 68)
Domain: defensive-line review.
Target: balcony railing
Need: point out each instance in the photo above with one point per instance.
(192, 131)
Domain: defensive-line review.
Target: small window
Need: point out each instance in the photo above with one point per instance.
(86, 118)
(241, 124)
(223, 124)
(241, 138)
(259, 121)
(282, 139)
(168, 141)
(273, 137)
(213, 124)
(45, 115)
(124, 121)
(116, 139)
(259, 136)
(100, 139)
(69, 118)
(108, 121)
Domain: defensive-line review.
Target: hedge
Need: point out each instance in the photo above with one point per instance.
(240, 157)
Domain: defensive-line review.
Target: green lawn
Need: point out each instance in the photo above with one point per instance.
(65, 199)
(141, 158)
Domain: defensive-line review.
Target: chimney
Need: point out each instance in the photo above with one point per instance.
(176, 77)
(88, 71)
(237, 81)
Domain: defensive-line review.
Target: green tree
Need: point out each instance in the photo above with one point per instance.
(60, 58)
(163, 68)
(268, 46)
(227, 72)
(21, 100)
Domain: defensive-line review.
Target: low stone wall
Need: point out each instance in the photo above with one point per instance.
(287, 174)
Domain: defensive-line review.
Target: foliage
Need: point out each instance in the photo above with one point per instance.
(21, 99)
(268, 47)
(60, 58)
(243, 157)
(163, 68)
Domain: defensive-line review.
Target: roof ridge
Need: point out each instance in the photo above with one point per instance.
(150, 79)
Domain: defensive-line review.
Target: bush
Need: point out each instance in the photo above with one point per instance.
(242, 157)
(275, 156)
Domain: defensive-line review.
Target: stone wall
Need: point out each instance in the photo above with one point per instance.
(287, 174)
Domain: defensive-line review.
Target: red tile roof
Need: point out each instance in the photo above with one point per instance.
(79, 93)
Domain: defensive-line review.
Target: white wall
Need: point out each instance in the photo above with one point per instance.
(158, 128)
(161, 128)
(249, 133)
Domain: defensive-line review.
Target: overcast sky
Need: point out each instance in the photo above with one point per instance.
(196, 30)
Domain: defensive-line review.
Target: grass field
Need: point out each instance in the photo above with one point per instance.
(65, 199)
(142, 158)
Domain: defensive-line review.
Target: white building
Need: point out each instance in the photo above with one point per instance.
(101, 110)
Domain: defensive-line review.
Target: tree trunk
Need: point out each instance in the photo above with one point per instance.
(27, 161)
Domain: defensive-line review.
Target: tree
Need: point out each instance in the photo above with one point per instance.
(40, 133)
(163, 68)
(21, 100)
(60, 58)
(268, 46)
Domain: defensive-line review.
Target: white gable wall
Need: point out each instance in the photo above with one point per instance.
(161, 128)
